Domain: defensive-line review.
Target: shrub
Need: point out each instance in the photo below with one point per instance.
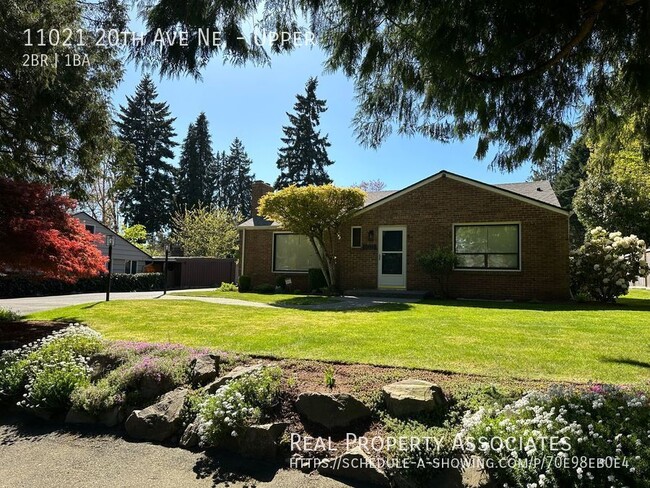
(228, 287)
(244, 284)
(418, 463)
(7, 315)
(242, 402)
(604, 422)
(281, 283)
(266, 288)
(316, 279)
(438, 263)
(606, 263)
(48, 370)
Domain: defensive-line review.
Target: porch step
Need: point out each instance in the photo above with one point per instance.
(414, 294)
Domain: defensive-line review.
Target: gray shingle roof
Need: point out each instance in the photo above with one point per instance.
(537, 190)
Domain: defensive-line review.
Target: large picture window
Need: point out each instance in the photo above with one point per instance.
(293, 252)
(487, 246)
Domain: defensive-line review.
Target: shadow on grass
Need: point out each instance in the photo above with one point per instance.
(344, 308)
(627, 361)
(623, 305)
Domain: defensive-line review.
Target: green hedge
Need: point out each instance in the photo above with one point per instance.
(21, 286)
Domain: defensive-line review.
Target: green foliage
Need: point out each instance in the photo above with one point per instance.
(438, 263)
(599, 423)
(330, 378)
(196, 166)
(23, 286)
(136, 235)
(234, 181)
(244, 284)
(418, 463)
(56, 122)
(146, 125)
(509, 74)
(228, 287)
(605, 264)
(7, 315)
(316, 279)
(207, 231)
(240, 403)
(47, 371)
(317, 212)
(265, 288)
(303, 158)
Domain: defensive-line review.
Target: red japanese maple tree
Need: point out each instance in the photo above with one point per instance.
(39, 237)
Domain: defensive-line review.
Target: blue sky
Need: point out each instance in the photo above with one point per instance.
(251, 103)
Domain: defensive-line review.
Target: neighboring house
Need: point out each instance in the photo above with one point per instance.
(127, 258)
(512, 240)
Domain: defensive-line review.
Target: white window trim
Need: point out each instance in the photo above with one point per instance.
(273, 256)
(489, 270)
(352, 237)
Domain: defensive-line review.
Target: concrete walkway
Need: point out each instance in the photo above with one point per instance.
(29, 305)
(37, 454)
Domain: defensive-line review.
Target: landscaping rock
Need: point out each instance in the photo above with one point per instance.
(261, 441)
(75, 416)
(111, 417)
(159, 421)
(412, 397)
(152, 387)
(236, 372)
(101, 363)
(204, 369)
(356, 465)
(331, 411)
(190, 437)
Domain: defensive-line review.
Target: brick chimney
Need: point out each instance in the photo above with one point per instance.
(260, 189)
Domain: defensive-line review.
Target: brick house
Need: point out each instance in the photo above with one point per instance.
(511, 240)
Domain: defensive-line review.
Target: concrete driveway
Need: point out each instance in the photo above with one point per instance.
(29, 305)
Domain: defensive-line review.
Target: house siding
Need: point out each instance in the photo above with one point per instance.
(429, 213)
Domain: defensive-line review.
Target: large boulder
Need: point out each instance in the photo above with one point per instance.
(235, 373)
(260, 441)
(412, 397)
(75, 416)
(160, 420)
(356, 465)
(204, 368)
(332, 411)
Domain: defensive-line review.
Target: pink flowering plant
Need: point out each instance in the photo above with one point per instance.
(606, 263)
(604, 423)
(242, 402)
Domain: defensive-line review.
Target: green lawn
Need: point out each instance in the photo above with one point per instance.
(506, 340)
(280, 299)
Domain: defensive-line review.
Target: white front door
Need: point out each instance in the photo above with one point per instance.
(392, 257)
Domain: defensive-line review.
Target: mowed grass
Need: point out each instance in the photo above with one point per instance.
(280, 299)
(569, 342)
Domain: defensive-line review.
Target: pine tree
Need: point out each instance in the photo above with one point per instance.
(216, 175)
(146, 125)
(303, 158)
(237, 180)
(195, 185)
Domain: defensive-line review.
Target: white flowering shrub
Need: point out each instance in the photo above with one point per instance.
(47, 371)
(558, 438)
(605, 264)
(240, 403)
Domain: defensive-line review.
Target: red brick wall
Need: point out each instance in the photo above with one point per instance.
(429, 213)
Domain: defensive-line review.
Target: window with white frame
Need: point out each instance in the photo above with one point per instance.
(487, 246)
(293, 252)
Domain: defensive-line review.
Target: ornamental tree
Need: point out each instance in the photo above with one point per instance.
(317, 212)
(38, 236)
(207, 231)
(606, 263)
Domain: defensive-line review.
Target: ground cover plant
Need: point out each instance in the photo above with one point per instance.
(550, 341)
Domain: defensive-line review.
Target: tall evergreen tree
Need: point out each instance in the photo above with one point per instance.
(146, 125)
(237, 180)
(195, 185)
(303, 158)
(217, 178)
